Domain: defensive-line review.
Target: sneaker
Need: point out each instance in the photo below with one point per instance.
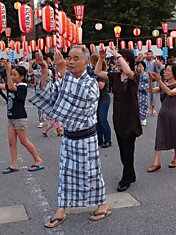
(107, 145)
(40, 125)
(144, 122)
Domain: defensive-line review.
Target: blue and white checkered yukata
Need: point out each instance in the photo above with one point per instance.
(74, 103)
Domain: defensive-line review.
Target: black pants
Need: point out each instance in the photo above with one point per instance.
(127, 146)
(3, 95)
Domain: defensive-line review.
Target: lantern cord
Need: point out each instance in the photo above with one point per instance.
(112, 39)
(118, 23)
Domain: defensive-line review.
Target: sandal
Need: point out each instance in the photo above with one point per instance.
(9, 170)
(102, 215)
(172, 164)
(55, 222)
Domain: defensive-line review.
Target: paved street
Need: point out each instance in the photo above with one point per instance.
(29, 198)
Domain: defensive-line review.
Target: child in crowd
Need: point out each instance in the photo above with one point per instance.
(17, 117)
(53, 123)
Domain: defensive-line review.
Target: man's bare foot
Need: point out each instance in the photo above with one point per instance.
(101, 212)
(58, 218)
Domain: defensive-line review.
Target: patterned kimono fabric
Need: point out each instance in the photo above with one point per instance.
(74, 103)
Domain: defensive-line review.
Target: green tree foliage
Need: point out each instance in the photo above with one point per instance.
(147, 14)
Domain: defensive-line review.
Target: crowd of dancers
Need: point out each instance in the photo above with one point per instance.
(73, 95)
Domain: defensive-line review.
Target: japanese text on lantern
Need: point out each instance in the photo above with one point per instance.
(3, 11)
(27, 18)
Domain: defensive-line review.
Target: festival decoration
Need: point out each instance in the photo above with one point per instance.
(148, 44)
(92, 48)
(17, 5)
(170, 42)
(79, 11)
(25, 17)
(46, 50)
(159, 42)
(122, 44)
(173, 34)
(12, 45)
(130, 45)
(33, 45)
(54, 42)
(23, 38)
(29, 49)
(48, 42)
(38, 12)
(3, 20)
(111, 44)
(40, 44)
(25, 46)
(101, 47)
(17, 47)
(48, 21)
(155, 33)
(98, 26)
(139, 45)
(2, 45)
(136, 32)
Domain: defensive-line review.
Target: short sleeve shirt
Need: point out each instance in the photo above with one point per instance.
(16, 102)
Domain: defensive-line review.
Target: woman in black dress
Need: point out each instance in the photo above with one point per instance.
(166, 123)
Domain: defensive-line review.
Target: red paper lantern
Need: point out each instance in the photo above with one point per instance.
(173, 34)
(79, 11)
(48, 21)
(2, 45)
(165, 28)
(61, 42)
(46, 50)
(139, 45)
(65, 49)
(71, 37)
(76, 35)
(3, 21)
(136, 32)
(148, 44)
(29, 49)
(170, 42)
(48, 41)
(101, 47)
(92, 48)
(40, 44)
(159, 42)
(62, 22)
(122, 45)
(54, 40)
(79, 35)
(25, 17)
(25, 46)
(38, 13)
(12, 44)
(111, 44)
(66, 35)
(17, 47)
(23, 38)
(130, 45)
(33, 45)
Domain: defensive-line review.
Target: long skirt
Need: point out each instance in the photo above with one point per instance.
(80, 180)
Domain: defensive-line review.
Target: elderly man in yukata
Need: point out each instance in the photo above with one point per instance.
(73, 100)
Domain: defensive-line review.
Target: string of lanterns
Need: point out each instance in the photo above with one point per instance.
(69, 33)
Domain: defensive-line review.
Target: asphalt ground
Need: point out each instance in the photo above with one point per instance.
(155, 193)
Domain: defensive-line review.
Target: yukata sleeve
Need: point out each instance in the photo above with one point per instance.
(45, 98)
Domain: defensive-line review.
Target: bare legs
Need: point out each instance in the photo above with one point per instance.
(23, 137)
(157, 161)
